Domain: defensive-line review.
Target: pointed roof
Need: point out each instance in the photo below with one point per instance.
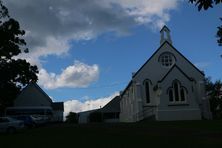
(165, 27)
(171, 69)
(165, 35)
(36, 86)
(166, 42)
(129, 84)
(112, 106)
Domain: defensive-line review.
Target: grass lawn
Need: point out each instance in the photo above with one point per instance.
(124, 135)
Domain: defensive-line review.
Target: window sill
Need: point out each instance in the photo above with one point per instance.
(178, 104)
(149, 105)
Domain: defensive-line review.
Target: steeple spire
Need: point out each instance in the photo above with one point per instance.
(165, 35)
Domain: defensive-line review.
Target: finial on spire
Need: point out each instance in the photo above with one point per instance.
(165, 35)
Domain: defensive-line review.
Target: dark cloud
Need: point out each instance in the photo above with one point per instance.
(71, 19)
(65, 20)
(50, 25)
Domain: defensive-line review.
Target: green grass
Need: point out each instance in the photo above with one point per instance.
(145, 134)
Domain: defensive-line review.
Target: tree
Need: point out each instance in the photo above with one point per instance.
(214, 94)
(15, 74)
(206, 4)
(72, 117)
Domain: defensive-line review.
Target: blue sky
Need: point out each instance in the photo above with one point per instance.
(84, 63)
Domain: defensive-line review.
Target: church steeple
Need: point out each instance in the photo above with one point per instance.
(165, 35)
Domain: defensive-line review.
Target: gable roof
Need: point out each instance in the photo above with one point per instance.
(112, 106)
(38, 88)
(175, 66)
(88, 111)
(126, 88)
(166, 42)
(165, 27)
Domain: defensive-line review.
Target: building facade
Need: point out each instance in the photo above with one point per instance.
(167, 87)
(34, 100)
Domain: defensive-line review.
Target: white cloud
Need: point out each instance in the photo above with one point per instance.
(51, 24)
(76, 76)
(154, 12)
(75, 105)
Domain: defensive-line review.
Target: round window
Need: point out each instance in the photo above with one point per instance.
(167, 59)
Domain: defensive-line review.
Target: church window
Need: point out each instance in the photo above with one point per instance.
(147, 85)
(147, 92)
(167, 59)
(177, 93)
(171, 95)
(182, 94)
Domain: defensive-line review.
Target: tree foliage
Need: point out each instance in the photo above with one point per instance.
(214, 91)
(14, 73)
(219, 34)
(206, 4)
(72, 117)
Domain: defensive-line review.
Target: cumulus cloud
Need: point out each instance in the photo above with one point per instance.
(154, 12)
(52, 24)
(76, 76)
(75, 105)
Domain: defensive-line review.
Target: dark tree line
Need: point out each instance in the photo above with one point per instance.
(14, 73)
(214, 93)
(72, 118)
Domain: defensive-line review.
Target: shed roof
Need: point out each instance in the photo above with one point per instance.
(112, 106)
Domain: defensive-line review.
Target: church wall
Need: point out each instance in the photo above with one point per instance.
(188, 110)
(177, 75)
(129, 103)
(154, 71)
(180, 114)
(126, 105)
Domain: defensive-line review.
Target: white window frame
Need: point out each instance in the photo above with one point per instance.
(167, 59)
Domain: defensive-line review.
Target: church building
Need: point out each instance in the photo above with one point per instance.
(167, 87)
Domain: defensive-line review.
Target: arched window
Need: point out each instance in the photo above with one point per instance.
(177, 93)
(176, 90)
(183, 93)
(171, 95)
(147, 87)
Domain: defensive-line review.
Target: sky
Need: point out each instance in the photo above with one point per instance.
(86, 50)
